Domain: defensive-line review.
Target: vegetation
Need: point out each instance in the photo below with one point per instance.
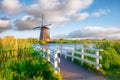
(110, 58)
(19, 61)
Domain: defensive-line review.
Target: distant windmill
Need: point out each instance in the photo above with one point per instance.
(44, 31)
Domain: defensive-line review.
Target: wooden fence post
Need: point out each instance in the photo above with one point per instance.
(61, 50)
(55, 61)
(43, 52)
(72, 54)
(48, 55)
(97, 59)
(82, 56)
(65, 54)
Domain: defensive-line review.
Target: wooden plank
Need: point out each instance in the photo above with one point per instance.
(88, 54)
(87, 61)
(93, 63)
(93, 49)
(52, 63)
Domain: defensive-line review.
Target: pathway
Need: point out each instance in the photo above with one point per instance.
(72, 71)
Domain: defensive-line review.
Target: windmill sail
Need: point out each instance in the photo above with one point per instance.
(37, 27)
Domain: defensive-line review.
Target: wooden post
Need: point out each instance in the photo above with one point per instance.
(48, 55)
(43, 52)
(65, 54)
(72, 54)
(82, 56)
(61, 50)
(97, 59)
(55, 62)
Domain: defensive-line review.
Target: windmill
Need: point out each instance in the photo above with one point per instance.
(44, 31)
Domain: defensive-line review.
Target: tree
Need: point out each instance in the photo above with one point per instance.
(61, 40)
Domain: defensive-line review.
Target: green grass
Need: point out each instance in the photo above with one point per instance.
(22, 62)
(110, 59)
(33, 66)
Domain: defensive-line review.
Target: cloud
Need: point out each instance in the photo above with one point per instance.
(55, 12)
(26, 23)
(10, 6)
(100, 12)
(94, 32)
(80, 16)
(114, 36)
(59, 11)
(5, 24)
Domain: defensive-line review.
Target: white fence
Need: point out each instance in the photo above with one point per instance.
(70, 52)
(52, 56)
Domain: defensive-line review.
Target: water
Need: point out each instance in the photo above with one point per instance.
(58, 45)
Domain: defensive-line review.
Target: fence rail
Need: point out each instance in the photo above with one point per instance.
(67, 52)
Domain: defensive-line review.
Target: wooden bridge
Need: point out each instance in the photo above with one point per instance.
(70, 70)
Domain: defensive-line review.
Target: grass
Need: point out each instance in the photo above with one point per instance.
(19, 61)
(110, 58)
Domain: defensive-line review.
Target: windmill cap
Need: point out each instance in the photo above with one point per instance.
(45, 27)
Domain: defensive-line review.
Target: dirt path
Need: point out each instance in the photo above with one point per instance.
(72, 71)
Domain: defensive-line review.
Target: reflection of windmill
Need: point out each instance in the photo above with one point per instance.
(44, 33)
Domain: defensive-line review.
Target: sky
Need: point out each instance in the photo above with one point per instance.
(70, 19)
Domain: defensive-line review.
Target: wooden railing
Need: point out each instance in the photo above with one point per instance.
(70, 52)
(51, 56)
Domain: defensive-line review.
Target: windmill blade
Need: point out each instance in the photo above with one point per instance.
(37, 27)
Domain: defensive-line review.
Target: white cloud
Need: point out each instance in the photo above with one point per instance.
(80, 16)
(59, 11)
(94, 32)
(5, 24)
(100, 12)
(27, 22)
(55, 12)
(114, 36)
(10, 6)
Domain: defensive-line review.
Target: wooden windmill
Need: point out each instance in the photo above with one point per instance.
(44, 31)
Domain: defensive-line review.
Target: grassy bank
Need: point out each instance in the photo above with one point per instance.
(110, 58)
(32, 66)
(19, 61)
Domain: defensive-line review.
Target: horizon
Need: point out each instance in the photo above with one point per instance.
(70, 19)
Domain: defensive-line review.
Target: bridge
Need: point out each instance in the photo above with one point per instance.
(64, 63)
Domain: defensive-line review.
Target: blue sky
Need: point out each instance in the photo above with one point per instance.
(73, 19)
